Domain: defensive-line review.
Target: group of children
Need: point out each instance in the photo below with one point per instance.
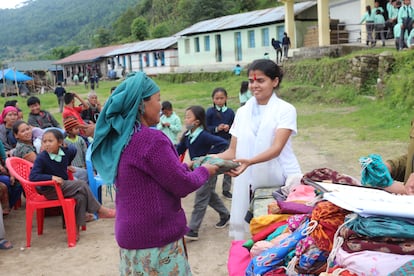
(54, 151)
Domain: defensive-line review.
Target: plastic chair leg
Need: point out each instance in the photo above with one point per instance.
(29, 219)
(70, 221)
(40, 217)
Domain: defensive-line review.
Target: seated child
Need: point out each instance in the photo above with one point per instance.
(78, 167)
(38, 117)
(52, 164)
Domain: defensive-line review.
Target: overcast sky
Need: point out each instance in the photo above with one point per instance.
(9, 4)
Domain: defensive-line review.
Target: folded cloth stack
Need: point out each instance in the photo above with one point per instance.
(224, 165)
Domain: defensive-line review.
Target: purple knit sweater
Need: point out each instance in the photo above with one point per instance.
(150, 184)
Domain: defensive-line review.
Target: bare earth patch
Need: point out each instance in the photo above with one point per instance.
(97, 252)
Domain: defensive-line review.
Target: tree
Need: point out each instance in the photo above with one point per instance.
(103, 37)
(161, 30)
(63, 51)
(122, 26)
(139, 28)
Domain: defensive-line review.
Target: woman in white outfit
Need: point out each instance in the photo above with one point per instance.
(261, 141)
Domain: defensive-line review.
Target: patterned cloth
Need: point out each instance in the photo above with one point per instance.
(329, 218)
(167, 260)
(354, 242)
(326, 174)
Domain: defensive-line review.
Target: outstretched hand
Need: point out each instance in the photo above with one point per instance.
(244, 163)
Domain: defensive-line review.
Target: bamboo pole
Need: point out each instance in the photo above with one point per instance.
(15, 81)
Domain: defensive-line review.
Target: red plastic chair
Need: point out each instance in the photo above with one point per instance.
(20, 169)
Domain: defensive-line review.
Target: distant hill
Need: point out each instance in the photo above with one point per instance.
(41, 28)
(40, 25)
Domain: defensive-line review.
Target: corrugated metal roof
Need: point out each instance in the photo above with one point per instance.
(87, 55)
(34, 65)
(243, 20)
(144, 46)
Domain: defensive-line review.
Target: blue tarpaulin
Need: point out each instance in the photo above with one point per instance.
(14, 75)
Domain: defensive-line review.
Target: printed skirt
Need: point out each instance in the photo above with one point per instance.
(168, 260)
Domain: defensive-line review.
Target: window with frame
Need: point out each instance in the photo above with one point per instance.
(265, 37)
(187, 46)
(197, 45)
(207, 43)
(251, 42)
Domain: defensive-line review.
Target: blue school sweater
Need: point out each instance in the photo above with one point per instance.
(215, 117)
(205, 143)
(44, 167)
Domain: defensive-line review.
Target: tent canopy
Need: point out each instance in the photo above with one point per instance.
(14, 75)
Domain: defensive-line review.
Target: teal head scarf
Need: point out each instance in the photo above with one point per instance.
(116, 122)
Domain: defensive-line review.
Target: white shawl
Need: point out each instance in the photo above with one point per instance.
(255, 133)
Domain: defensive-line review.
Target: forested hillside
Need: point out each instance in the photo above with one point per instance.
(53, 29)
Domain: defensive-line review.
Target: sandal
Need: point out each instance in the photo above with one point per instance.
(5, 244)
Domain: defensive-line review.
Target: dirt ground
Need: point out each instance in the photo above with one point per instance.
(97, 252)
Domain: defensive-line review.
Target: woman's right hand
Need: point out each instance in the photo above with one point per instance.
(212, 169)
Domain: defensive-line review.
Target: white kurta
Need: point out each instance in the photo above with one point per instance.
(255, 129)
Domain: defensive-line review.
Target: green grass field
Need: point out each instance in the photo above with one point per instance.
(370, 120)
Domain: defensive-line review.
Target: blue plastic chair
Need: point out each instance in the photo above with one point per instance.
(95, 181)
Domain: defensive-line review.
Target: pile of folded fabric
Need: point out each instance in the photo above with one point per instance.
(303, 234)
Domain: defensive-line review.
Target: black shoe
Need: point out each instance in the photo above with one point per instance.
(191, 235)
(223, 222)
(227, 195)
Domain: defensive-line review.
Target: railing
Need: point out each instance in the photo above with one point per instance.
(352, 33)
(348, 33)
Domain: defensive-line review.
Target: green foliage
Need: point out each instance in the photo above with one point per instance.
(63, 51)
(45, 24)
(122, 26)
(399, 85)
(139, 28)
(103, 37)
(161, 30)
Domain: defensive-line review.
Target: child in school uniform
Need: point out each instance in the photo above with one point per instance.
(200, 142)
(219, 119)
(169, 123)
(52, 164)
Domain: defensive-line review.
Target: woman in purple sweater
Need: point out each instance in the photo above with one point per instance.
(150, 181)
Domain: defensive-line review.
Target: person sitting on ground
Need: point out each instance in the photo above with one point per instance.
(91, 114)
(70, 110)
(24, 148)
(15, 103)
(169, 123)
(7, 119)
(78, 165)
(38, 117)
(52, 164)
(4, 244)
(237, 70)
